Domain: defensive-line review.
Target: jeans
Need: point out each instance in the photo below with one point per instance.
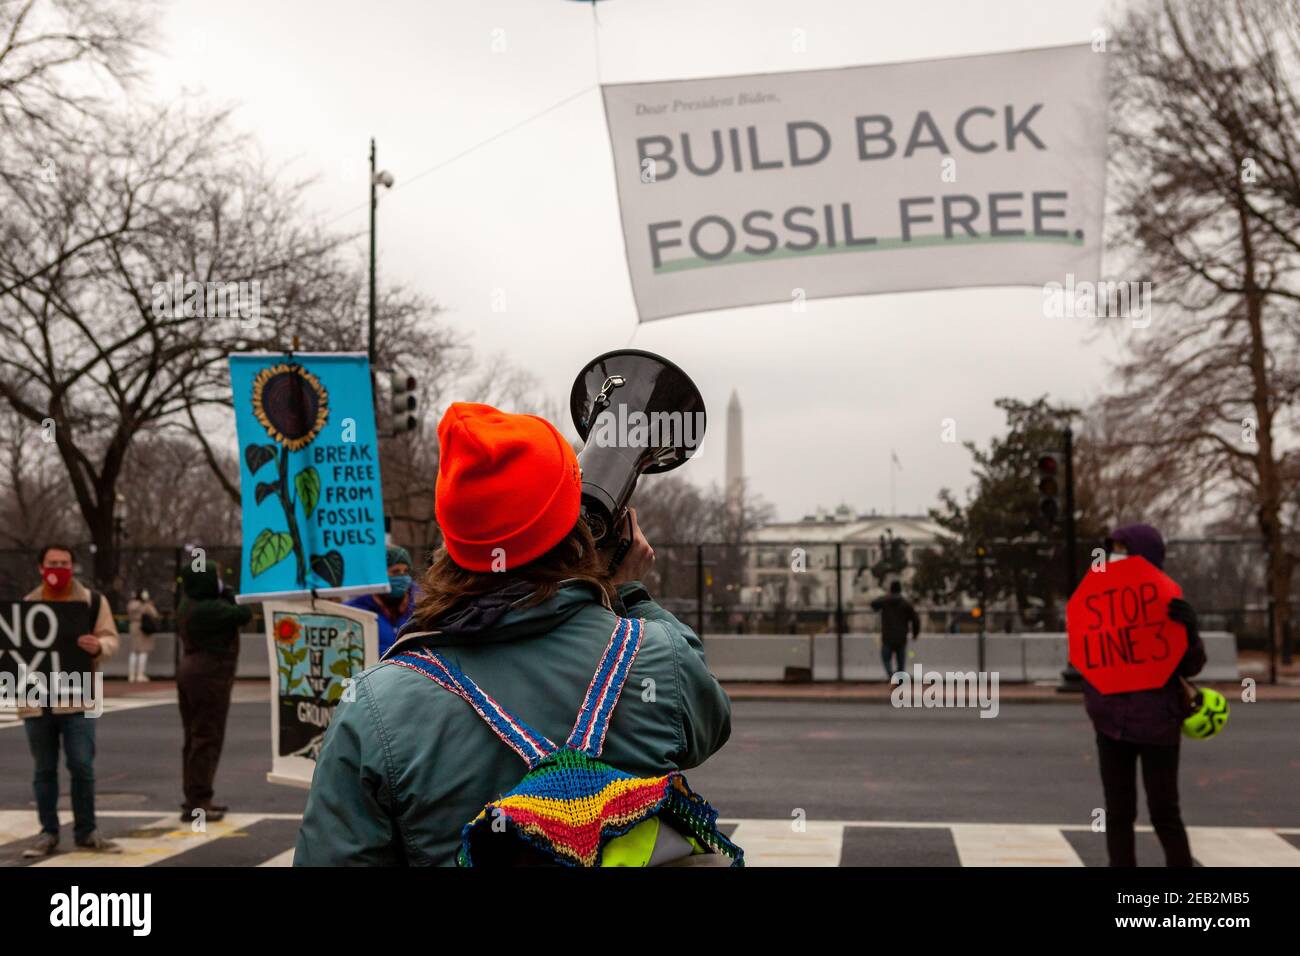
(899, 653)
(78, 732)
(1118, 760)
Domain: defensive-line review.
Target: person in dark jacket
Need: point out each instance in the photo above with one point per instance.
(519, 599)
(1145, 725)
(209, 622)
(897, 616)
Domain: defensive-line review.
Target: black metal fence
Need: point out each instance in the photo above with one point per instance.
(776, 587)
(793, 588)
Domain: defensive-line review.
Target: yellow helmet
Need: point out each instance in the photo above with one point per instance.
(1209, 714)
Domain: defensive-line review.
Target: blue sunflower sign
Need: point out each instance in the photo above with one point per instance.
(313, 513)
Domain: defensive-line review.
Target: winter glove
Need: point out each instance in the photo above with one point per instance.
(1194, 659)
(1181, 611)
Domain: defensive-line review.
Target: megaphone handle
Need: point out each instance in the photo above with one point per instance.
(620, 552)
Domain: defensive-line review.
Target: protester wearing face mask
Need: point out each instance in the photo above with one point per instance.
(142, 623)
(393, 609)
(1145, 725)
(45, 726)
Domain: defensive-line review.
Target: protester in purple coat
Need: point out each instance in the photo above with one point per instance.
(1146, 725)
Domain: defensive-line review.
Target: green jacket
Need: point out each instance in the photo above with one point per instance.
(406, 764)
(209, 621)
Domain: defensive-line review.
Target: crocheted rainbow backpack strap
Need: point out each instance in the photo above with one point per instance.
(571, 803)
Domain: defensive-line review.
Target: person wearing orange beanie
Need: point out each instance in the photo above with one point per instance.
(521, 600)
(508, 486)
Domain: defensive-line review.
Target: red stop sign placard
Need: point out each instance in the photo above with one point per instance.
(1121, 638)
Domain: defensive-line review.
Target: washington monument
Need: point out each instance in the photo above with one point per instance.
(735, 467)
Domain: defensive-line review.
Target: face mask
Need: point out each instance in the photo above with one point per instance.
(400, 583)
(1116, 557)
(56, 578)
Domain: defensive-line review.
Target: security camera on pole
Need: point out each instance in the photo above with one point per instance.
(386, 180)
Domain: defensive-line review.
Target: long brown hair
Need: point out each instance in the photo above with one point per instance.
(446, 584)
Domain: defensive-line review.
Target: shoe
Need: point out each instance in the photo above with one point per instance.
(43, 845)
(211, 814)
(98, 844)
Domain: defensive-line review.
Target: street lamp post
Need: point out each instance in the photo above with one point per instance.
(377, 179)
(1071, 680)
(119, 535)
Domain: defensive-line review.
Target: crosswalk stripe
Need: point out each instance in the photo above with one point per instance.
(160, 838)
(257, 815)
(280, 859)
(21, 824)
(112, 705)
(777, 843)
(997, 845)
(1240, 846)
(157, 837)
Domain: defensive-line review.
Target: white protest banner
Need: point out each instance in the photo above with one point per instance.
(971, 171)
(316, 650)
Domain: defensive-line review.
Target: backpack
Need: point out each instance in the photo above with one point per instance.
(94, 603)
(570, 804)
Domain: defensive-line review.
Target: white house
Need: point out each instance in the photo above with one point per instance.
(792, 563)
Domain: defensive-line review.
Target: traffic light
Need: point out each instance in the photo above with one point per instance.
(403, 403)
(1049, 486)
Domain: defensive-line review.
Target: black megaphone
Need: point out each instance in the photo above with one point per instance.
(637, 413)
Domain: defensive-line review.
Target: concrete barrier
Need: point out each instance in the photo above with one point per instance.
(252, 657)
(765, 657)
(1220, 656)
(756, 656)
(1017, 658)
(1046, 654)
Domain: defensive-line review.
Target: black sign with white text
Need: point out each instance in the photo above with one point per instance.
(40, 637)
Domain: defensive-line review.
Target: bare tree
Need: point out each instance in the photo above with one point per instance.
(1205, 182)
(34, 490)
(1119, 482)
(193, 505)
(100, 348)
(109, 207)
(53, 55)
(49, 49)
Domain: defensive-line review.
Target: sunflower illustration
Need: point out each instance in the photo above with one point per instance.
(291, 404)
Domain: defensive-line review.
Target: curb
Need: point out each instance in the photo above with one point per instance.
(1268, 693)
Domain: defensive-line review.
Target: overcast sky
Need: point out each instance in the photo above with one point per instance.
(826, 394)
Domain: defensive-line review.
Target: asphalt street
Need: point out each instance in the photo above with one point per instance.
(876, 784)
